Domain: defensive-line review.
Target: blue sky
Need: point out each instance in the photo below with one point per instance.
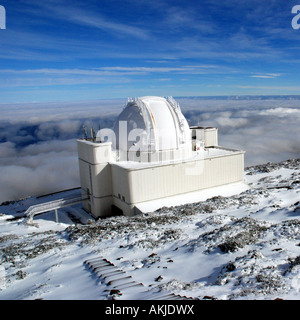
(63, 50)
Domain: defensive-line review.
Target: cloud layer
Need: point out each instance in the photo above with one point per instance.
(38, 152)
(267, 129)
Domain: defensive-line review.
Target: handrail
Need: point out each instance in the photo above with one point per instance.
(53, 205)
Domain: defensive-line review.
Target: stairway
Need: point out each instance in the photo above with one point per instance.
(120, 285)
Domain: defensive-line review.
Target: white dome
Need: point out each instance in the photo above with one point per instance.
(150, 129)
(157, 121)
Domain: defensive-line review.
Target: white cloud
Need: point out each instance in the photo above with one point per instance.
(267, 129)
(45, 174)
(117, 70)
(281, 112)
(99, 76)
(7, 150)
(82, 16)
(266, 76)
(273, 89)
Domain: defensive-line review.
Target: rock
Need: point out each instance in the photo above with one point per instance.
(158, 279)
(152, 255)
(209, 298)
(230, 267)
(115, 292)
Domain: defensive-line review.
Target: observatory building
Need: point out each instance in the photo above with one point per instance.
(150, 154)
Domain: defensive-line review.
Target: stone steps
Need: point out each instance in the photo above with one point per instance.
(119, 282)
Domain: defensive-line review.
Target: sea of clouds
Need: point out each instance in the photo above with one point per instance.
(38, 150)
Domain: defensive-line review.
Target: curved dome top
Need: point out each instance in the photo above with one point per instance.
(152, 123)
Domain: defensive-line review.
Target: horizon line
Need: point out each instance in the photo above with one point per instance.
(229, 97)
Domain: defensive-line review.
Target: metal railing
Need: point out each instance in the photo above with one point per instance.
(53, 206)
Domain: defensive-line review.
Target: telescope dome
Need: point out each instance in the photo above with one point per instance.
(152, 123)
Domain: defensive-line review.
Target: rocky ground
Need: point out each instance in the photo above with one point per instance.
(245, 246)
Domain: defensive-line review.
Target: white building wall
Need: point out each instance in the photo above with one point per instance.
(139, 185)
(210, 137)
(95, 176)
(109, 183)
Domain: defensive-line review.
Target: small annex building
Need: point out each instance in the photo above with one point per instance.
(152, 153)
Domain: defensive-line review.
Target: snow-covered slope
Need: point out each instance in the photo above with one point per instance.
(243, 246)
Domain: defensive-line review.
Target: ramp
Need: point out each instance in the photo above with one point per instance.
(32, 211)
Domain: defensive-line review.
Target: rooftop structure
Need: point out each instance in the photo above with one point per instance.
(150, 154)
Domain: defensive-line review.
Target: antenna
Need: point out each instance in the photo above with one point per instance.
(93, 134)
(84, 132)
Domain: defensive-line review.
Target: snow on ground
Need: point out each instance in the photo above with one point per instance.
(239, 245)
